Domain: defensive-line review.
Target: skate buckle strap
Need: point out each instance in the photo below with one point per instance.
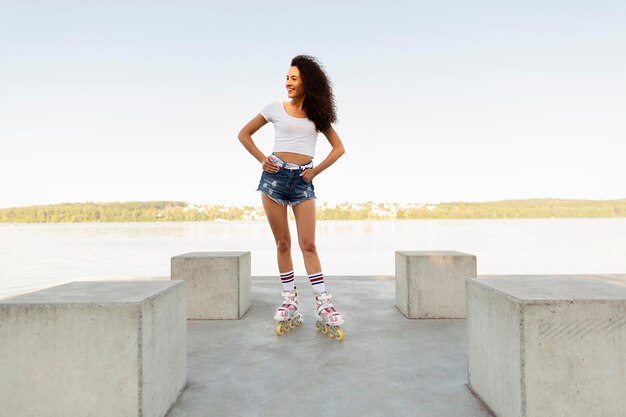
(326, 306)
(286, 307)
(289, 300)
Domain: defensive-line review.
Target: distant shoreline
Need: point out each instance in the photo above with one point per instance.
(178, 211)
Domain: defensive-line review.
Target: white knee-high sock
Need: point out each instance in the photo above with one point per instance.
(287, 279)
(317, 282)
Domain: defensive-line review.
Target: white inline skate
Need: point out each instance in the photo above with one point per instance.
(328, 319)
(288, 315)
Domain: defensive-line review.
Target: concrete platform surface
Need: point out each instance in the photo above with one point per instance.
(93, 292)
(387, 365)
(530, 289)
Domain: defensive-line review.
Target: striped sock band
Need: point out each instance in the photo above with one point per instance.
(286, 278)
(317, 282)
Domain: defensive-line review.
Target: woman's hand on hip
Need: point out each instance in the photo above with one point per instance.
(308, 174)
(269, 166)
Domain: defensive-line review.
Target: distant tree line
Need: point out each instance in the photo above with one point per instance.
(169, 211)
(518, 209)
(153, 211)
(506, 209)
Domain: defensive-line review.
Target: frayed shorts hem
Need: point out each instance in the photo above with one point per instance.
(283, 202)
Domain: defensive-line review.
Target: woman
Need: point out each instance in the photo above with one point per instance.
(287, 180)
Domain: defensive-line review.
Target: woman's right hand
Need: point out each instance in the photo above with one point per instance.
(269, 166)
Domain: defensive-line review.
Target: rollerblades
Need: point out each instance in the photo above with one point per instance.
(288, 315)
(328, 319)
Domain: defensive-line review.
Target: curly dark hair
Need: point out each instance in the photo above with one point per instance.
(319, 102)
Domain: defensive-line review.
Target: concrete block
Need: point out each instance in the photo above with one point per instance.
(94, 348)
(548, 345)
(218, 283)
(431, 284)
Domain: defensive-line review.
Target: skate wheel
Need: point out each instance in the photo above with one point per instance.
(339, 334)
(279, 329)
(291, 324)
(298, 320)
(325, 329)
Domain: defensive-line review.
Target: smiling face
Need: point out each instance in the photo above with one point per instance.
(295, 88)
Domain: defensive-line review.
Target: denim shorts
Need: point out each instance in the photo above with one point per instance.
(286, 186)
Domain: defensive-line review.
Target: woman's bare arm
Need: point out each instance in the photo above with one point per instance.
(245, 137)
(334, 154)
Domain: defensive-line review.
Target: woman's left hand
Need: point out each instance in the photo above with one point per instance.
(308, 174)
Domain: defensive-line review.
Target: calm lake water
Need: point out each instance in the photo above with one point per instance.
(41, 255)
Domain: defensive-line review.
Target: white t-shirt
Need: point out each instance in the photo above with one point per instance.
(292, 134)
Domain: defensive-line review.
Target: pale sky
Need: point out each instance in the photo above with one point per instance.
(437, 101)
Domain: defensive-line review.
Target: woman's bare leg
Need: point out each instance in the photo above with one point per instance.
(277, 216)
(305, 223)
